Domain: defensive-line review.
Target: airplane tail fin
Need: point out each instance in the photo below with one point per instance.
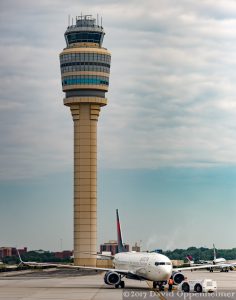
(20, 259)
(190, 259)
(119, 237)
(214, 250)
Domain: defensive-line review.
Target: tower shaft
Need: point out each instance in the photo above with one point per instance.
(85, 182)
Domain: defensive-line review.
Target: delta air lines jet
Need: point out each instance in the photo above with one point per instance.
(154, 267)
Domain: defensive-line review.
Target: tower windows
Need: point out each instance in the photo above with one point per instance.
(82, 57)
(94, 62)
(85, 66)
(83, 37)
(93, 80)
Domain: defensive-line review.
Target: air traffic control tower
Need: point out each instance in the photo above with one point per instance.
(85, 68)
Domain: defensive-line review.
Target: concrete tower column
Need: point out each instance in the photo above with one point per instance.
(85, 118)
(85, 69)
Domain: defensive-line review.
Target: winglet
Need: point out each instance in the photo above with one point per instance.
(21, 261)
(119, 237)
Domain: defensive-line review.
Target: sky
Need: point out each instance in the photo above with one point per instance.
(166, 139)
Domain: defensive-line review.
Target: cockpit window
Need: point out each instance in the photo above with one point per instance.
(160, 263)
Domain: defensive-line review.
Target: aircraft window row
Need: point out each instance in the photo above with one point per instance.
(91, 37)
(97, 80)
(92, 68)
(85, 57)
(162, 263)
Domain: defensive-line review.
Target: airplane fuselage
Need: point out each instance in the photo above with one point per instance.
(219, 261)
(150, 266)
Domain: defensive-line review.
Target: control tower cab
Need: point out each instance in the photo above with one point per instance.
(85, 64)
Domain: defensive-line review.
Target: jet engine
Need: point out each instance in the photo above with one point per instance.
(112, 278)
(177, 277)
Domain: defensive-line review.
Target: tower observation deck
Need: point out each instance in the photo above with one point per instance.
(85, 68)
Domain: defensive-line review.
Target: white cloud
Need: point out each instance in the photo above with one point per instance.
(172, 87)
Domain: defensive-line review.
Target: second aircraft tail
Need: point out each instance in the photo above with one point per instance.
(119, 237)
(214, 251)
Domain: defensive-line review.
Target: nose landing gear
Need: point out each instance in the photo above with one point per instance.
(121, 284)
(160, 285)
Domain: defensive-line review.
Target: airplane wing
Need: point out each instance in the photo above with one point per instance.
(209, 265)
(126, 273)
(63, 266)
(122, 272)
(198, 267)
(228, 265)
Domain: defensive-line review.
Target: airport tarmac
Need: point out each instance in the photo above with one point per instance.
(71, 284)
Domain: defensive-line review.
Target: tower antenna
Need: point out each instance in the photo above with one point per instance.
(68, 20)
(101, 21)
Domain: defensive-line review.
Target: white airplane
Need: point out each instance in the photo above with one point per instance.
(154, 267)
(217, 261)
(220, 263)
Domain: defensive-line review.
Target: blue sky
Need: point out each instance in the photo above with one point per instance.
(166, 138)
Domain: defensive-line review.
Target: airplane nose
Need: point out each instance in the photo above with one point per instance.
(166, 272)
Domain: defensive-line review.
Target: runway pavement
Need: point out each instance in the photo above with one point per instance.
(71, 284)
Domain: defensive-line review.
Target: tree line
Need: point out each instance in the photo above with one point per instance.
(201, 253)
(35, 256)
(198, 254)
